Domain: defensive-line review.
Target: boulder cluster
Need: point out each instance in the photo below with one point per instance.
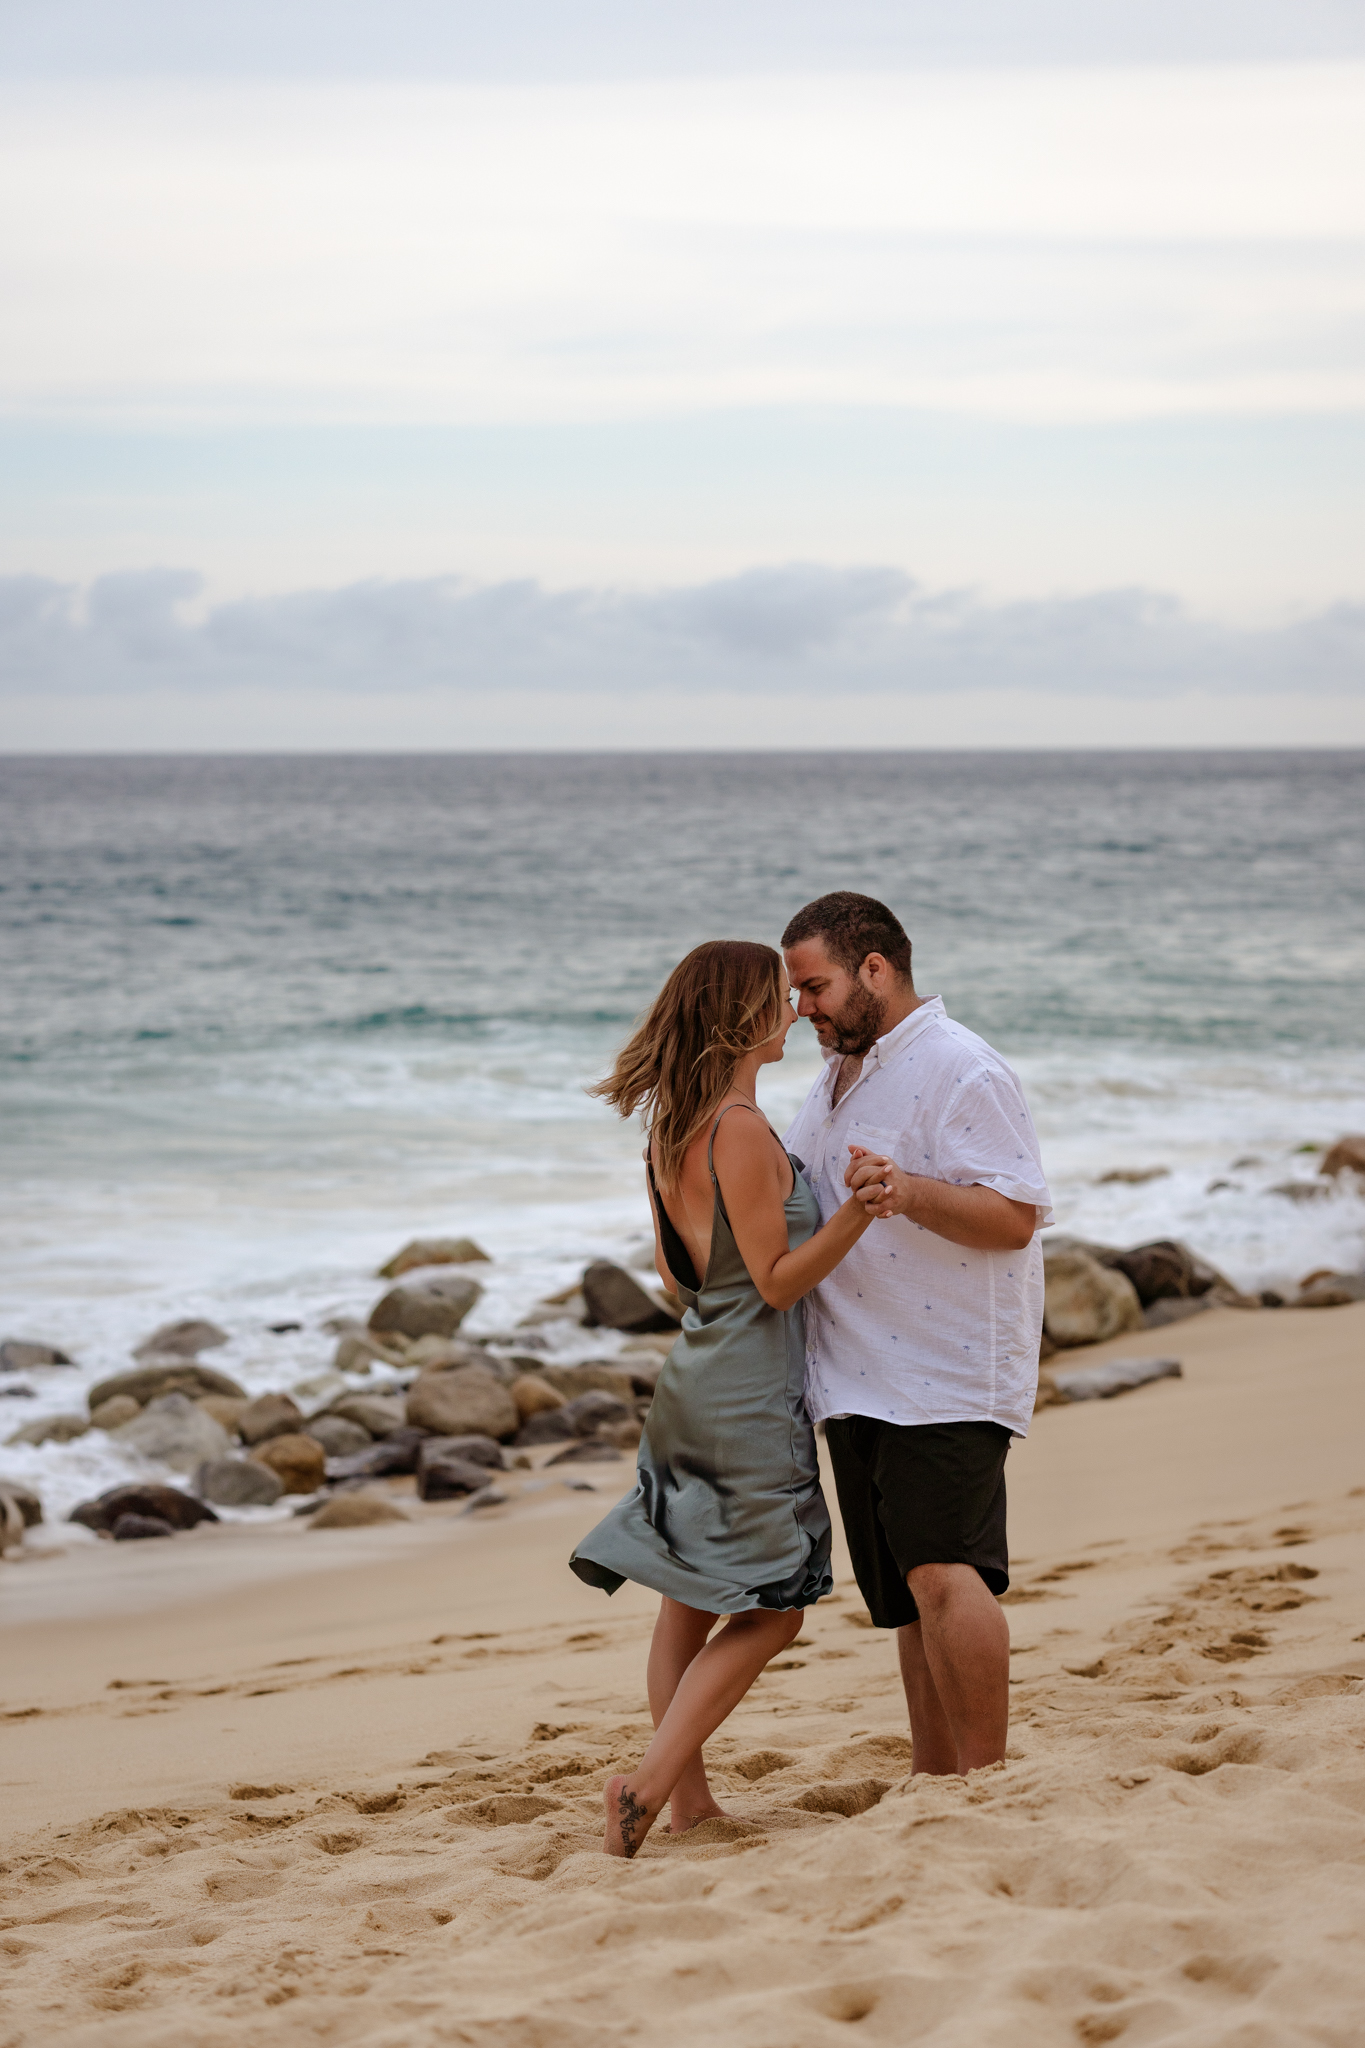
(451, 1412)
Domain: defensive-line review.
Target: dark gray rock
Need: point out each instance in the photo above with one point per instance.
(25, 1500)
(168, 1376)
(25, 1354)
(615, 1300)
(184, 1339)
(549, 1427)
(436, 1308)
(591, 1452)
(444, 1478)
(134, 1528)
(475, 1450)
(391, 1457)
(1161, 1271)
(1115, 1376)
(167, 1503)
(237, 1483)
(596, 1410)
(1174, 1309)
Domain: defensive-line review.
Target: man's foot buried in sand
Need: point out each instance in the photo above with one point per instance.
(628, 1819)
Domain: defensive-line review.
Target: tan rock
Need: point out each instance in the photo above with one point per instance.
(166, 1376)
(269, 1415)
(573, 1380)
(224, 1408)
(1085, 1302)
(298, 1462)
(465, 1401)
(377, 1413)
(434, 1251)
(1346, 1156)
(52, 1429)
(113, 1414)
(355, 1511)
(534, 1395)
(436, 1308)
(184, 1339)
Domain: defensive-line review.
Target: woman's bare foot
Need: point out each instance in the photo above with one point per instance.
(683, 1823)
(628, 1819)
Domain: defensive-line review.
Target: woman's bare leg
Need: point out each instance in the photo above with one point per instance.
(711, 1687)
(678, 1635)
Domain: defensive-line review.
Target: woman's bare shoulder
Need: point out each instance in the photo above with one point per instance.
(746, 1138)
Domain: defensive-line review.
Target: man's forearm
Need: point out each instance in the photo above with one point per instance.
(976, 1217)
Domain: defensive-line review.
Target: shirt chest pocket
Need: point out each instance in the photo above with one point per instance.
(878, 1138)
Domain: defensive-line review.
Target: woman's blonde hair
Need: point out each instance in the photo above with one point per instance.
(724, 1000)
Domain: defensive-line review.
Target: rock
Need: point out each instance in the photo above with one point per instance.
(1271, 1298)
(1159, 1271)
(593, 1410)
(181, 1340)
(434, 1251)
(26, 1501)
(1046, 1348)
(11, 1524)
(224, 1408)
(534, 1395)
(269, 1415)
(25, 1354)
(551, 1426)
(444, 1478)
(297, 1461)
(53, 1429)
(356, 1352)
(614, 1299)
(486, 1497)
(355, 1511)
(169, 1376)
(113, 1414)
(1085, 1302)
(559, 1308)
(167, 1503)
(593, 1452)
(380, 1414)
(338, 1437)
(1115, 1376)
(625, 1434)
(1174, 1310)
(644, 1376)
(435, 1309)
(435, 1354)
(1132, 1176)
(573, 1380)
(469, 1400)
(1346, 1156)
(237, 1483)
(132, 1528)
(1330, 1290)
(1302, 1191)
(392, 1457)
(475, 1450)
(176, 1432)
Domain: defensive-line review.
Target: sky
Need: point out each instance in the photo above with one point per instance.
(744, 374)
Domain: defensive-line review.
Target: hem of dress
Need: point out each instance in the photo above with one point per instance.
(610, 1581)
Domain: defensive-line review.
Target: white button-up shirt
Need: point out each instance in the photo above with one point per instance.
(910, 1327)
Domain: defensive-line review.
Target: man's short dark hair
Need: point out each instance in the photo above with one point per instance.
(851, 927)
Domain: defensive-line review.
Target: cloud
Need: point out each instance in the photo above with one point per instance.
(798, 628)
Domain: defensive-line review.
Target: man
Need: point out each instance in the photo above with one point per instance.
(922, 1347)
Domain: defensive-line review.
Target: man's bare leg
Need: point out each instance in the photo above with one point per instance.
(930, 1731)
(711, 1687)
(679, 1633)
(964, 1648)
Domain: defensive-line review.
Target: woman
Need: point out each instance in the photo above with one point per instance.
(727, 1517)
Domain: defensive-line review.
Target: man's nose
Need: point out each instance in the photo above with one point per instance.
(805, 1003)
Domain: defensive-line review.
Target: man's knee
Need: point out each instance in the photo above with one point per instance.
(933, 1587)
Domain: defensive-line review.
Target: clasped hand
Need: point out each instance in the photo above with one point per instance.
(877, 1182)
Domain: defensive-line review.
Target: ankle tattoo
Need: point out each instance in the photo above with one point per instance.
(630, 1815)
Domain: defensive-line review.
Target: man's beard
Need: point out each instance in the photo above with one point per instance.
(859, 1024)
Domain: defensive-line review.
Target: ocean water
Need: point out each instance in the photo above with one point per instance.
(261, 1019)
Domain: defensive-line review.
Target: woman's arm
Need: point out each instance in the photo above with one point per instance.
(755, 1178)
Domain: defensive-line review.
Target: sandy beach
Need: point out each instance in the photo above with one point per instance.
(289, 1786)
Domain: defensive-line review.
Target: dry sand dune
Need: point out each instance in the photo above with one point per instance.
(359, 1801)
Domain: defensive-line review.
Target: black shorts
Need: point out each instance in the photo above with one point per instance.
(927, 1493)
